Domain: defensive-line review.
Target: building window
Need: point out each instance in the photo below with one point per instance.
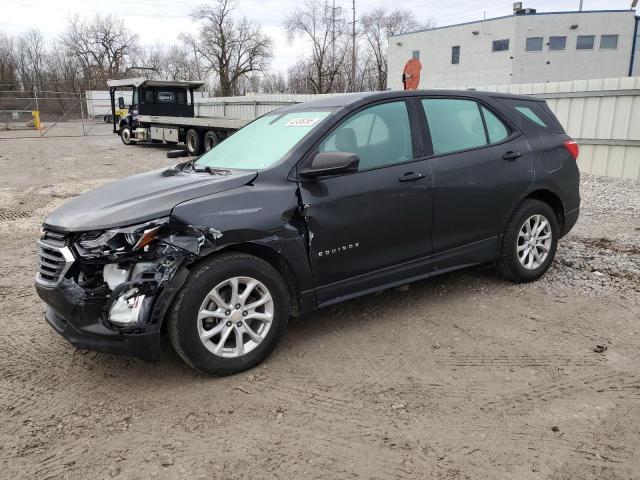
(557, 43)
(534, 44)
(455, 55)
(609, 42)
(585, 42)
(500, 45)
(416, 55)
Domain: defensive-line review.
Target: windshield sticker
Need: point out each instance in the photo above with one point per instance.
(302, 122)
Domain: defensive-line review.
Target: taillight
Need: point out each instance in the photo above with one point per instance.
(572, 147)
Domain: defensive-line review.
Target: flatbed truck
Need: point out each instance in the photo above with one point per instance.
(162, 111)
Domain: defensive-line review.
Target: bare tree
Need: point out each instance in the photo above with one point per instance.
(273, 83)
(32, 58)
(378, 25)
(63, 71)
(230, 48)
(8, 63)
(324, 27)
(103, 46)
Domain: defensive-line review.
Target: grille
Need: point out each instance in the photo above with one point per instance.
(54, 259)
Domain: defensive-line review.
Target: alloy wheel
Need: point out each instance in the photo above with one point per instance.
(235, 317)
(534, 242)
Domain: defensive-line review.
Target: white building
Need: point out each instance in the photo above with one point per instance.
(521, 48)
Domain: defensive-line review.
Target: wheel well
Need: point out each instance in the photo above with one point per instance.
(274, 259)
(551, 199)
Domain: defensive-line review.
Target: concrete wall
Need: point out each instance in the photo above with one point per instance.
(480, 65)
(636, 56)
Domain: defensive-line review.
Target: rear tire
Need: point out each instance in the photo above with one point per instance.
(205, 311)
(193, 140)
(529, 242)
(210, 140)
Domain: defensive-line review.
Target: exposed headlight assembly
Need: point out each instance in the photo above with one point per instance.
(109, 243)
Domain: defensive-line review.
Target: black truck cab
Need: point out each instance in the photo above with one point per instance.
(152, 97)
(164, 111)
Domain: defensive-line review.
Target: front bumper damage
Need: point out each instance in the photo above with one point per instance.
(119, 307)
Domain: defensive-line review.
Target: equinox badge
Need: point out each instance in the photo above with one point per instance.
(343, 248)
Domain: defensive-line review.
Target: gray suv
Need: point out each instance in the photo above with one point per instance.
(304, 207)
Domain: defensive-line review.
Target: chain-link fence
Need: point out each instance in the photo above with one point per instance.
(47, 113)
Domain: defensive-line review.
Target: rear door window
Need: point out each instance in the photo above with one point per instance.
(496, 130)
(454, 124)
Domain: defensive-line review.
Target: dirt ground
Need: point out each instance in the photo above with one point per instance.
(463, 376)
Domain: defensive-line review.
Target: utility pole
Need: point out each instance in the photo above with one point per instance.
(580, 5)
(353, 49)
(195, 55)
(332, 18)
(333, 42)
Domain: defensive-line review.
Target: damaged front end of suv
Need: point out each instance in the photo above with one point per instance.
(108, 290)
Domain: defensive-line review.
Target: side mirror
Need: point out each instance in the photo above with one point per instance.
(331, 163)
(121, 104)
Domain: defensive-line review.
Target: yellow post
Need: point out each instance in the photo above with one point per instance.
(36, 120)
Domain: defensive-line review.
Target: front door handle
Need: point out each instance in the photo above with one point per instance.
(511, 155)
(411, 177)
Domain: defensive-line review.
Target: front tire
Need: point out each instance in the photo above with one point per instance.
(529, 242)
(230, 314)
(125, 135)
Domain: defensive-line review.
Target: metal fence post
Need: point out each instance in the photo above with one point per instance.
(84, 133)
(35, 95)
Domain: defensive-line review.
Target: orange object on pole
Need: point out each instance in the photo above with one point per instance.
(411, 74)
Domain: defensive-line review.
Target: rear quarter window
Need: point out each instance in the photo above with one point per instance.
(535, 112)
(531, 115)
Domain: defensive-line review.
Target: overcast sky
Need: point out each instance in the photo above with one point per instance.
(161, 21)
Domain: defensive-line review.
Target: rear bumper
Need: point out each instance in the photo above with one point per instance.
(79, 320)
(570, 219)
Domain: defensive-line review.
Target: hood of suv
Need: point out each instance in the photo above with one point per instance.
(139, 198)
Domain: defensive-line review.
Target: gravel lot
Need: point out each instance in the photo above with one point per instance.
(461, 376)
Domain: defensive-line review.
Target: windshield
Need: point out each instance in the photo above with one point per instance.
(263, 142)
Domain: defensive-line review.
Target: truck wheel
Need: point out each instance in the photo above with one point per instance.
(229, 315)
(210, 140)
(529, 242)
(125, 135)
(193, 139)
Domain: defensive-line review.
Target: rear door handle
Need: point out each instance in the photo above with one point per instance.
(511, 155)
(411, 177)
